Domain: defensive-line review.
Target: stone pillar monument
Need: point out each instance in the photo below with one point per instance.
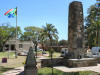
(30, 65)
(75, 29)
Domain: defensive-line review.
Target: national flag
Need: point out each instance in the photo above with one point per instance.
(11, 13)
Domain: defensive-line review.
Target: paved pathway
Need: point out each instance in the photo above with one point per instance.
(90, 68)
(17, 71)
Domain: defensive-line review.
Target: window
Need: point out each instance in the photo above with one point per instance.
(20, 46)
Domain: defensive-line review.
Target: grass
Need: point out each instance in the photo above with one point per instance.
(3, 69)
(5, 54)
(47, 71)
(12, 63)
(55, 54)
(80, 73)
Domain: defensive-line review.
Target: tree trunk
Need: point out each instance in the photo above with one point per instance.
(51, 53)
(36, 48)
(43, 46)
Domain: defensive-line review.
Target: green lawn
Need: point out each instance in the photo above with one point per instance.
(55, 54)
(11, 63)
(47, 71)
(6, 54)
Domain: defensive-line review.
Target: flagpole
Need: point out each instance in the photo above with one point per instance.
(16, 35)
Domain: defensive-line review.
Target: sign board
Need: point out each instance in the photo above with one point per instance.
(4, 60)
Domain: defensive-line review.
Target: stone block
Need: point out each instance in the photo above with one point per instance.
(82, 62)
(30, 65)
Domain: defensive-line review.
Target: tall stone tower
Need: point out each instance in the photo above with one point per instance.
(75, 29)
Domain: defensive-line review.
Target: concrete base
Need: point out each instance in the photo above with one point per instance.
(98, 59)
(84, 62)
(30, 72)
(47, 62)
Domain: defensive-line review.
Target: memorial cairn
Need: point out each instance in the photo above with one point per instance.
(76, 38)
(75, 30)
(30, 65)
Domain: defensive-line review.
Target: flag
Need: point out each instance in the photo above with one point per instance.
(11, 13)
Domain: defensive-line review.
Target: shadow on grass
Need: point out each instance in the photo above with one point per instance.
(4, 69)
(71, 73)
(22, 73)
(51, 74)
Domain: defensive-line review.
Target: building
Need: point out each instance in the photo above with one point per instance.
(18, 45)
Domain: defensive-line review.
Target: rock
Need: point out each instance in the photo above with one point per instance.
(30, 65)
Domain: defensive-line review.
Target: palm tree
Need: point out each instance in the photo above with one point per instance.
(42, 39)
(51, 33)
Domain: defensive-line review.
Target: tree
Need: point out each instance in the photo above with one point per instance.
(31, 34)
(43, 39)
(51, 33)
(92, 28)
(63, 43)
(6, 32)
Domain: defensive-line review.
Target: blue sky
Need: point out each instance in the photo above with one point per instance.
(39, 12)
